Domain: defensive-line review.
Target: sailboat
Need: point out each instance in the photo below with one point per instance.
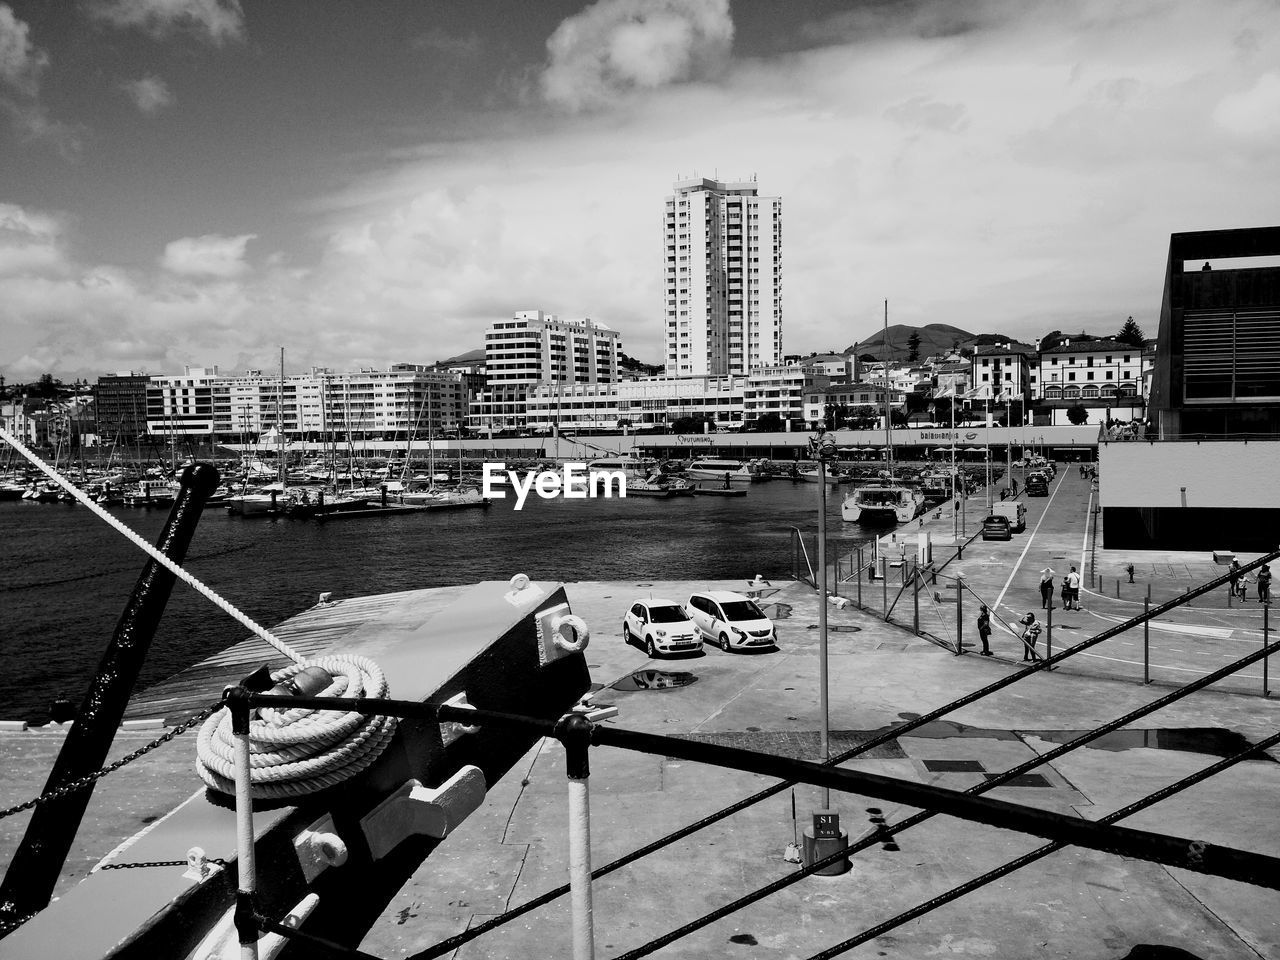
(888, 501)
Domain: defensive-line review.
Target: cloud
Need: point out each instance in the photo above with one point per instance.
(21, 62)
(30, 242)
(207, 256)
(149, 94)
(616, 46)
(216, 21)
(1252, 114)
(441, 43)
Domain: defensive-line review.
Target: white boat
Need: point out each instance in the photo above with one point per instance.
(811, 476)
(150, 493)
(710, 468)
(631, 466)
(882, 502)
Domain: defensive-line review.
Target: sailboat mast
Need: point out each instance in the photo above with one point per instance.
(888, 416)
(280, 421)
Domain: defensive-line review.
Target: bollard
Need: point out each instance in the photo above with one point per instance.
(1146, 641)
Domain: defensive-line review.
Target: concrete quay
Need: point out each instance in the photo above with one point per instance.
(1073, 904)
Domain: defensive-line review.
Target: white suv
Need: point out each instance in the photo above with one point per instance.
(660, 626)
(730, 620)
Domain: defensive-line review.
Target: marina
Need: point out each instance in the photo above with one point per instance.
(882, 675)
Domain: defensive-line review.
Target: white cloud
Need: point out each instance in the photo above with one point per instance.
(1252, 114)
(149, 94)
(216, 21)
(207, 256)
(616, 46)
(30, 242)
(21, 62)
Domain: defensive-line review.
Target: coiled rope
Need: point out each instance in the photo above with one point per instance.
(294, 752)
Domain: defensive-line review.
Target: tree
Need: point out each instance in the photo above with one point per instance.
(942, 409)
(898, 417)
(1077, 414)
(913, 346)
(768, 423)
(1131, 333)
(690, 423)
(46, 387)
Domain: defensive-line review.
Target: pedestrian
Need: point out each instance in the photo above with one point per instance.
(1030, 633)
(1073, 581)
(1264, 584)
(1046, 588)
(984, 630)
(1233, 577)
(1013, 485)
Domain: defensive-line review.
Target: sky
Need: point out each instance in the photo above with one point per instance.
(205, 182)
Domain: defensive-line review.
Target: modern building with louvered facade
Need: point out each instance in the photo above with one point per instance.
(1204, 476)
(1217, 367)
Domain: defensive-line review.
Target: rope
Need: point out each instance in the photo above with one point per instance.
(295, 752)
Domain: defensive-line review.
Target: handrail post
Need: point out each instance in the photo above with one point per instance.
(1048, 634)
(1266, 630)
(915, 599)
(1146, 640)
(574, 732)
(859, 577)
(246, 922)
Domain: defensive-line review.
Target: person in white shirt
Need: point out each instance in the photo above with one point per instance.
(1073, 581)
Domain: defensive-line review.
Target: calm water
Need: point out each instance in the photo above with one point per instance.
(67, 575)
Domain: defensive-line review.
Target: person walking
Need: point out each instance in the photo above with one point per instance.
(984, 630)
(1264, 584)
(1233, 575)
(1030, 633)
(1046, 588)
(1013, 485)
(1073, 582)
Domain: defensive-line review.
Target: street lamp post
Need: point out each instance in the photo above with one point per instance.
(822, 448)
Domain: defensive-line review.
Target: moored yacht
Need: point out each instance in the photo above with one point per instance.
(712, 468)
(882, 502)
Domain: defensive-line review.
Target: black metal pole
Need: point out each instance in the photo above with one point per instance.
(33, 873)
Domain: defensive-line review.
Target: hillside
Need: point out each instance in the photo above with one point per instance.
(934, 338)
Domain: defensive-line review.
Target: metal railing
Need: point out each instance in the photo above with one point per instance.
(799, 551)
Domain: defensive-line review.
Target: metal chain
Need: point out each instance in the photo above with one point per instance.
(87, 781)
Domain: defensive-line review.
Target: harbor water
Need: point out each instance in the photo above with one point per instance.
(68, 575)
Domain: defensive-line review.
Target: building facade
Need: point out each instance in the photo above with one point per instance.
(121, 405)
(1003, 369)
(535, 347)
(722, 279)
(1089, 370)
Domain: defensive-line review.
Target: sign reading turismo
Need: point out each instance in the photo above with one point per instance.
(573, 482)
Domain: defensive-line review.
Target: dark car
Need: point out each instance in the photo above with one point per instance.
(996, 528)
(1037, 485)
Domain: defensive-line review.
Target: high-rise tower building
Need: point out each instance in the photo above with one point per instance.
(723, 279)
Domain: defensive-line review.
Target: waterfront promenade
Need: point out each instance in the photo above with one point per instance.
(1073, 904)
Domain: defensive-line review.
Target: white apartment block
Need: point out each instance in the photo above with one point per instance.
(722, 279)
(405, 401)
(533, 347)
(644, 403)
(1090, 370)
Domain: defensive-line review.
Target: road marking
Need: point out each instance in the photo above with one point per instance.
(1014, 572)
(1138, 663)
(1187, 629)
(1088, 513)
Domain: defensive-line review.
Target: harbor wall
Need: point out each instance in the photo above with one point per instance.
(1201, 495)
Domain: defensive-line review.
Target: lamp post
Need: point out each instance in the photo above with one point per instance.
(823, 448)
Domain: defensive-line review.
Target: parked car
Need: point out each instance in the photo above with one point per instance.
(996, 527)
(730, 620)
(659, 627)
(1037, 485)
(1015, 511)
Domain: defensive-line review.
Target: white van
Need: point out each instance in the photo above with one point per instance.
(1015, 511)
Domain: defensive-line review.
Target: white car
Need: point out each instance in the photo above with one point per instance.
(660, 626)
(730, 620)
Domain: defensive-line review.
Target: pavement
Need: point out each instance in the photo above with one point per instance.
(1071, 904)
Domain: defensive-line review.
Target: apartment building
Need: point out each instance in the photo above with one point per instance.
(722, 290)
